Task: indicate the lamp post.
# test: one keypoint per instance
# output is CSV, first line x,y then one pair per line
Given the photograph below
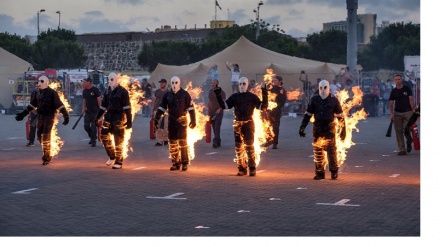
x,y
59,18
38,20
258,19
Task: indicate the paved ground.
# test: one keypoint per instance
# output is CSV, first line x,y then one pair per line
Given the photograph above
x,y
378,193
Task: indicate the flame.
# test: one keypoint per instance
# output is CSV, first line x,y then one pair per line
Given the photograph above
x,y
196,134
136,94
55,141
294,95
352,105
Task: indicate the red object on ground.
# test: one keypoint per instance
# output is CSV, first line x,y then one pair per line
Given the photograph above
x,y
415,136
208,132
152,135
28,128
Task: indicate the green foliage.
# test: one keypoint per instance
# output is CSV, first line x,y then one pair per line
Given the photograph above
x,y
55,48
16,45
386,50
329,46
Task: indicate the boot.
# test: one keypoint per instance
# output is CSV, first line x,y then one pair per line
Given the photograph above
x,y
334,175
184,167
175,167
241,171
252,171
319,175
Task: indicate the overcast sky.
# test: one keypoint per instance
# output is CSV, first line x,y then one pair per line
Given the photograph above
x,y
296,17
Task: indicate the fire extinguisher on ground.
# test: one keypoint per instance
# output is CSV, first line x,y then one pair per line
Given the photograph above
x,y
28,128
415,136
208,131
152,127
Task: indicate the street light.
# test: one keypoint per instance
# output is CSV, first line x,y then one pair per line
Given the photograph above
x,y
38,20
59,18
258,19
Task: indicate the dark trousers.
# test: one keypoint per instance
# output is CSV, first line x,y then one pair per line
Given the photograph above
x,y
90,127
178,147
244,143
216,126
117,130
324,140
44,130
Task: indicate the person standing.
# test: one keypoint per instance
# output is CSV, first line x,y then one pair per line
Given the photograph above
x,y
244,104
215,113
401,106
148,92
116,110
90,106
324,107
235,75
47,104
278,95
178,102
162,127
33,118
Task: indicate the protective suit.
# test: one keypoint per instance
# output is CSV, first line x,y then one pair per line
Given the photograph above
x,y
324,107
244,104
116,110
47,104
178,102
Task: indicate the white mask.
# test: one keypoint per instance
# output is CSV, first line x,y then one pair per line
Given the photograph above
x,y
43,82
324,89
175,84
243,85
112,80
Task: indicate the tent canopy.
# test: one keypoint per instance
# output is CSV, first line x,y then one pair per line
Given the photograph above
x,y
11,68
253,61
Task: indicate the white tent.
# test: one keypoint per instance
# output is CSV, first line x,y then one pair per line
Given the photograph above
x,y
253,61
11,68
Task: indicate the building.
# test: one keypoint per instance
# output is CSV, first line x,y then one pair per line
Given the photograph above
x,y
366,27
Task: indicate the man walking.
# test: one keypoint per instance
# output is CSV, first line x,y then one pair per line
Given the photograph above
x,y
401,106
90,106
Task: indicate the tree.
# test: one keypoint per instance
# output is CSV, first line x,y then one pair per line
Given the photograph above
x,y
57,48
386,50
329,46
16,45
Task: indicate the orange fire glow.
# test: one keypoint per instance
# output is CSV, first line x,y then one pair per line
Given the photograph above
x,y
136,94
353,113
196,134
55,141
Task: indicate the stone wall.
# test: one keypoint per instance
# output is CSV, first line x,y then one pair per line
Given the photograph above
x,y
119,51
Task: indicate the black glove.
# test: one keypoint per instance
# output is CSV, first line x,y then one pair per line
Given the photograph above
x,y
99,116
343,130
20,116
301,131
129,123
156,123
218,91
65,115
192,123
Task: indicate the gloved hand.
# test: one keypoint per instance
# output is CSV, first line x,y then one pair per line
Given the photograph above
x,y
218,91
301,131
96,122
192,124
66,120
343,133
20,116
128,125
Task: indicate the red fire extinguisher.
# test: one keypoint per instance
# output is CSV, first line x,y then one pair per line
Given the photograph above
x,y
415,136
152,135
208,131
28,128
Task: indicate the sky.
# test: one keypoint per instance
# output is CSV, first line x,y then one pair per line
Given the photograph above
x,y
297,18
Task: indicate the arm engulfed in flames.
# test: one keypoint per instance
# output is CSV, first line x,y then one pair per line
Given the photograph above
x,y
353,114
55,141
196,134
135,93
